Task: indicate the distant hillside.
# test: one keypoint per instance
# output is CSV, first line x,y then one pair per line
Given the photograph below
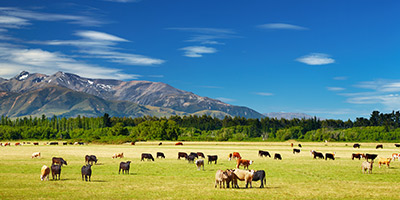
x,y
289,116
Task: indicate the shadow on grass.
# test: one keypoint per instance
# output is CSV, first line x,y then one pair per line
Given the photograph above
x,y
98,181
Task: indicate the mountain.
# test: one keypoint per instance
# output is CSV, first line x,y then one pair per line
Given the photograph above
x,y
146,93
288,115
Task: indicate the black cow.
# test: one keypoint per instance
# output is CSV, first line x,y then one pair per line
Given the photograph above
x,y
191,157
317,154
91,159
124,166
379,146
200,154
182,155
300,145
159,143
86,171
259,175
264,153
278,156
330,156
296,151
194,154
356,145
53,143
81,143
160,154
56,170
36,143
59,161
147,156
212,158
65,143
370,156
397,145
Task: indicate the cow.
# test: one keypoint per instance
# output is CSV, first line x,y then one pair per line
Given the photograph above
x,y
159,144
291,144
235,155
45,173
36,155
90,159
317,154
160,154
384,161
259,175
86,171
356,145
219,179
148,156
200,154
244,163
296,151
7,144
182,155
243,175
300,145
199,163
36,143
379,146
395,155
58,160
179,143
194,154
133,143
357,155
264,153
65,143
56,170
370,156
17,144
118,155
124,166
230,178
397,145
212,158
53,143
190,158
367,166
330,156
277,156
76,143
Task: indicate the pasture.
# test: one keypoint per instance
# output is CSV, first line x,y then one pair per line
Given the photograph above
x,y
296,176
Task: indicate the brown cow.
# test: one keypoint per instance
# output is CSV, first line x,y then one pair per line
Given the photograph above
x,y
179,143
243,175
384,161
235,155
45,173
182,155
245,163
118,155
36,155
357,155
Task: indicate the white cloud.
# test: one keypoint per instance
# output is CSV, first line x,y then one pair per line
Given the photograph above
x,y
283,26
207,35
223,99
95,35
340,78
335,88
264,94
197,51
316,59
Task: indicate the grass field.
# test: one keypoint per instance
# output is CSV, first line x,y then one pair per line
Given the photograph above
x,y
295,177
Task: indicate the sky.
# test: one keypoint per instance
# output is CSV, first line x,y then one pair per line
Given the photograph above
x,y
331,59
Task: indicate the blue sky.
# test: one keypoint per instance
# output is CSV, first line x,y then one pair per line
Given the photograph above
x,y
332,59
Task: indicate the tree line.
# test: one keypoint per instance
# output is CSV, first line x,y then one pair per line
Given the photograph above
x,y
107,129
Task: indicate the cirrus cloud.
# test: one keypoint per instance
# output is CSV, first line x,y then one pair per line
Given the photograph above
x,y
197,51
281,26
316,59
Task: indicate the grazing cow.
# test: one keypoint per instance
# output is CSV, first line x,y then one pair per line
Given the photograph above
x,y
36,155
245,163
200,154
194,154
235,155
132,143
357,155
179,143
36,143
65,143
212,158
291,144
199,163
18,144
330,156
356,145
379,146
86,171
260,175
90,159
45,173
317,154
59,161
182,155
7,144
118,155
71,143
243,175
190,158
370,156
160,154
395,155
264,153
147,156
219,178
124,166
159,144
56,170
76,143
296,151
278,156
367,166
53,143
397,145
384,161
300,146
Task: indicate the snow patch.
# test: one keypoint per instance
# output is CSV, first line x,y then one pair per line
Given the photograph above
x,y
90,82
23,77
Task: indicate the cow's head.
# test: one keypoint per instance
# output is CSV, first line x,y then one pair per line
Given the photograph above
x,y
251,162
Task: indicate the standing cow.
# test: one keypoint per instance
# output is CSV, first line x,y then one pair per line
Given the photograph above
x,y
199,163
56,170
86,171
260,175
243,175
124,166
45,173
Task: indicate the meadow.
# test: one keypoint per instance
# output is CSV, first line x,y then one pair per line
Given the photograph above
x,y
295,177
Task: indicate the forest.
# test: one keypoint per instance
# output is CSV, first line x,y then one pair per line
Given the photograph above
x,y
383,127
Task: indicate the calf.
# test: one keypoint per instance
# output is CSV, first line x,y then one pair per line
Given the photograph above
x,y
384,161
379,146
200,154
395,155
36,155
160,154
56,170
264,153
244,163
86,171
356,145
330,156
277,156
357,155
90,159
235,155
243,175
17,144
199,163
212,158
124,166
59,161
260,175
367,166
370,156
182,155
147,156
296,151
45,173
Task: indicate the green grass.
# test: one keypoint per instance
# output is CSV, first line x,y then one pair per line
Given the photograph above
x,y
295,177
